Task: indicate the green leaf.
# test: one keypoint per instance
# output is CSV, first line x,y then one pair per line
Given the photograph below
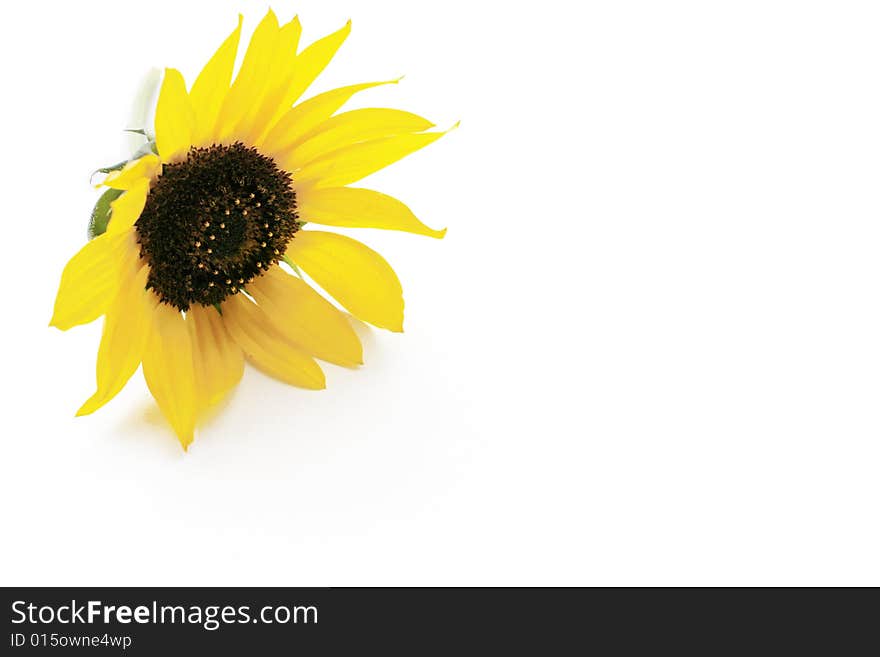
x,y
101,212
137,132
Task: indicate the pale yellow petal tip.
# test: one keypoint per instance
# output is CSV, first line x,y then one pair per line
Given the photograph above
x,y
320,383
90,406
55,322
169,71
316,384
443,133
237,30
185,436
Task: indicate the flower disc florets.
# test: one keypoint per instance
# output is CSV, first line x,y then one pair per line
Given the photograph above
x,y
213,222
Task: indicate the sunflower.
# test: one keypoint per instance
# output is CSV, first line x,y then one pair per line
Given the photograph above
x,y
198,250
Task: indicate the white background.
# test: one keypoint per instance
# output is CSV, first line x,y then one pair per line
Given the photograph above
x,y
647,352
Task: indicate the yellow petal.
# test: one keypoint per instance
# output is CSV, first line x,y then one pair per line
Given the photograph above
x,y
309,64
124,338
210,88
297,124
280,76
174,117
306,318
168,370
250,83
355,275
266,347
350,164
351,128
146,167
285,49
351,207
90,280
127,208
217,359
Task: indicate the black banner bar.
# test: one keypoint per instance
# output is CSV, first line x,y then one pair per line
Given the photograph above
x,y
171,621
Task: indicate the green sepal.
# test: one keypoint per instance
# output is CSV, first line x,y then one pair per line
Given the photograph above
x,y
149,147
292,265
146,149
101,212
113,167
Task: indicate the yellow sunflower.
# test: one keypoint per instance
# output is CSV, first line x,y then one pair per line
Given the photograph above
x,y
187,270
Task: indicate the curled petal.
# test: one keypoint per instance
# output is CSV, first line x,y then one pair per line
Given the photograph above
x,y
355,275
266,347
210,88
306,318
146,167
126,210
296,124
168,371
90,280
217,359
174,117
124,338
350,164
352,207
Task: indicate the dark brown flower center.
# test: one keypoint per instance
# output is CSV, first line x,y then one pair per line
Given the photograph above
x,y
214,222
